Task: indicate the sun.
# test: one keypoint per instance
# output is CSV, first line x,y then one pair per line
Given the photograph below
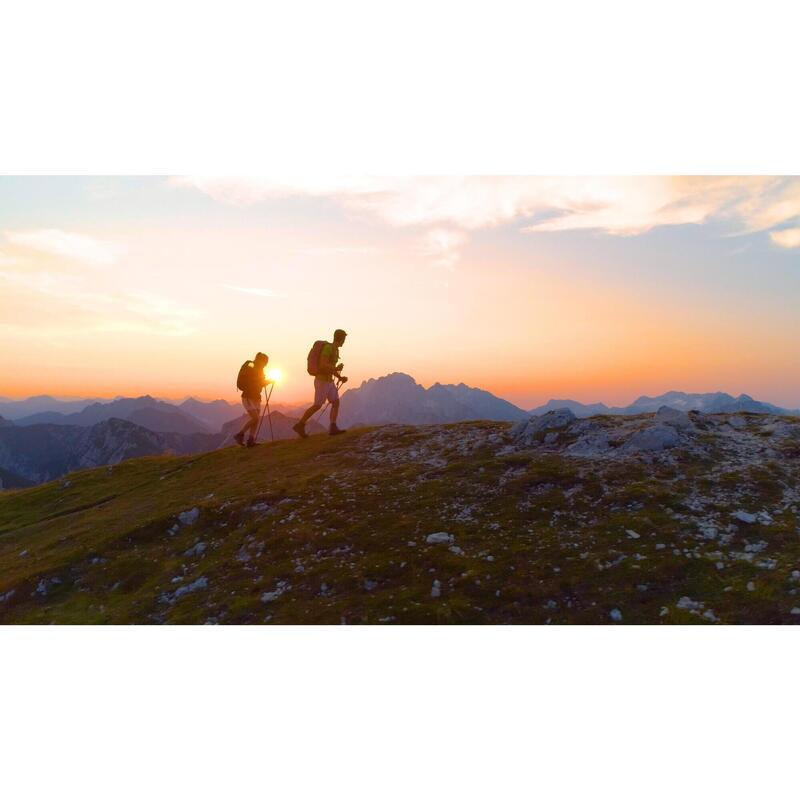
x,y
275,375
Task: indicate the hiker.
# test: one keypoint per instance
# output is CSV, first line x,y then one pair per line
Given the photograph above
x,y
250,382
323,364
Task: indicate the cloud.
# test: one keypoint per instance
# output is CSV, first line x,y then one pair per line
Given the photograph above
x,y
620,206
443,246
254,290
65,244
70,296
9,261
788,237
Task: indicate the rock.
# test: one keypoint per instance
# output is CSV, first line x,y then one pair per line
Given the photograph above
x,y
456,550
436,589
751,587
200,583
370,585
591,444
551,438
615,615
652,439
737,423
671,416
690,605
282,587
197,550
744,516
632,534
189,517
439,538
526,431
795,610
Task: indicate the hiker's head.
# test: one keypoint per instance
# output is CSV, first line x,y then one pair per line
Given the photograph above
x,y
261,360
338,337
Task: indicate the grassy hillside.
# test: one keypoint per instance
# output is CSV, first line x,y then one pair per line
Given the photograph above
x,y
332,530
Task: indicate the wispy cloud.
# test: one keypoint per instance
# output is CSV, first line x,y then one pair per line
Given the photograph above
x,y
443,246
338,250
788,237
118,310
261,292
66,244
9,261
615,205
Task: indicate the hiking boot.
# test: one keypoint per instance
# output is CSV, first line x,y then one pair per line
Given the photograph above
x,y
239,439
300,429
251,442
335,430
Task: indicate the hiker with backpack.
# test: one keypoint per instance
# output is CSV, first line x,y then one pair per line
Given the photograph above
x,y
250,382
323,364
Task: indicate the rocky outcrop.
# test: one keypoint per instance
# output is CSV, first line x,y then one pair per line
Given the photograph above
x,y
537,429
652,439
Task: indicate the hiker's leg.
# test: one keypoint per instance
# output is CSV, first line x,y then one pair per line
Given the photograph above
x,y
310,411
252,424
334,411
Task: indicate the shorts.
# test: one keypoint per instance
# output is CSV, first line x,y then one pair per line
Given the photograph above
x,y
251,404
325,390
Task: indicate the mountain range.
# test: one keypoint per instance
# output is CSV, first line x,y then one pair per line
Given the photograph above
x,y
398,398
64,435
710,403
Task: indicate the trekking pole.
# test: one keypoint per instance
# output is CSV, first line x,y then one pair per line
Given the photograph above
x,y
269,413
327,404
266,409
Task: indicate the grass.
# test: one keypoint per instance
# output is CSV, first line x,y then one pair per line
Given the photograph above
x,y
333,530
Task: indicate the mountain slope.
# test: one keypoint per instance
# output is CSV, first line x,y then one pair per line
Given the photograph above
x,y
214,414
456,523
10,480
44,452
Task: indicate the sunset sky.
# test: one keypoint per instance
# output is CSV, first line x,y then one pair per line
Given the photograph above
x,y
588,288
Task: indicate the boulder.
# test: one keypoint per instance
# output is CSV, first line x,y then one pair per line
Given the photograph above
x,y
595,443
532,430
671,416
652,440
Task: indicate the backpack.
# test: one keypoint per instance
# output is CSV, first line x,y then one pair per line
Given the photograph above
x,y
247,379
313,356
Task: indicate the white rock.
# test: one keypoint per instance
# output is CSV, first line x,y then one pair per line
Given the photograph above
x,y
282,587
439,538
615,614
632,534
689,604
751,586
744,516
197,550
189,517
436,589
200,583
795,610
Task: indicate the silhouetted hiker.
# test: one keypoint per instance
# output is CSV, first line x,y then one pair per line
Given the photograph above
x,y
323,364
250,382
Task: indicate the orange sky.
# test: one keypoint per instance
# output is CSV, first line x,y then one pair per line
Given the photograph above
x,y
164,287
